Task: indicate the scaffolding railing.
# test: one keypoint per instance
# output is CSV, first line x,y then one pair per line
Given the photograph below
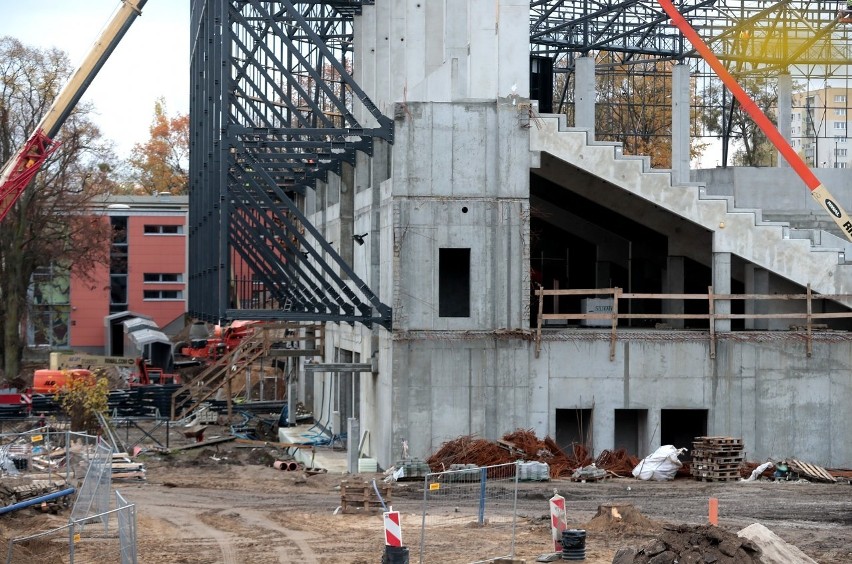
x,y
718,309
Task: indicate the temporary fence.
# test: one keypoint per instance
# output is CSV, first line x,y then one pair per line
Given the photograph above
x,y
76,544
93,495
59,456
126,529
484,498
49,464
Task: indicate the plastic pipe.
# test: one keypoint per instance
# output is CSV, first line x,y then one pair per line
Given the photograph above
x,y
35,501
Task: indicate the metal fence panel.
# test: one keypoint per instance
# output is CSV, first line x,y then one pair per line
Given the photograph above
x,y
126,529
481,498
93,495
76,545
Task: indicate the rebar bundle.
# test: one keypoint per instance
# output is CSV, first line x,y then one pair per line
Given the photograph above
x,y
523,444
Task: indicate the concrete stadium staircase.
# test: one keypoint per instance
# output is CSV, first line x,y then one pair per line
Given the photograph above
x,y
774,246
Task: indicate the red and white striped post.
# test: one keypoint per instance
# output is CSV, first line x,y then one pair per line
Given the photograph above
x,y
393,531
27,400
558,520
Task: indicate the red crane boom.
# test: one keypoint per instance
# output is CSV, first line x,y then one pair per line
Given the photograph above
x,y
23,165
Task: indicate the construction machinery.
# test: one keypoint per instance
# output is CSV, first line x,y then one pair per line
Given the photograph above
x,y
23,165
214,347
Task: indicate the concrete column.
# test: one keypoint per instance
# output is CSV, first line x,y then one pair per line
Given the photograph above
x,y
722,285
347,214
353,437
756,282
603,274
785,109
680,124
603,428
292,388
674,285
584,94
650,440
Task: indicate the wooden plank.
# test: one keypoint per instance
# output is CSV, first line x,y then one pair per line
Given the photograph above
x,y
810,470
203,443
274,444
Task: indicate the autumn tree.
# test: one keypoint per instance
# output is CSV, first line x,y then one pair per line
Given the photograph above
x,y
752,147
161,164
633,105
50,224
82,398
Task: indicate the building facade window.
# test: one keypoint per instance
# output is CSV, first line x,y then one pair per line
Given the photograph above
x,y
48,319
840,97
454,283
153,278
839,125
164,230
118,257
163,295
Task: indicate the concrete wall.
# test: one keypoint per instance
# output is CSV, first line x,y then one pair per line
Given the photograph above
x,y
781,402
454,76
777,190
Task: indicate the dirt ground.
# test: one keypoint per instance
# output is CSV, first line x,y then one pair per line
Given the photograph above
x,y
227,504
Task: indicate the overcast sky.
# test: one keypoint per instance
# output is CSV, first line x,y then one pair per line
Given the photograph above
x,y
151,61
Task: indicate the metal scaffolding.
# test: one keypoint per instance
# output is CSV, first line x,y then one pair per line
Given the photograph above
x,y
271,113
273,106
633,42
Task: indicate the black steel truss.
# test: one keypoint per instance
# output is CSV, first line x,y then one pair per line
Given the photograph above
x,y
750,34
758,38
272,111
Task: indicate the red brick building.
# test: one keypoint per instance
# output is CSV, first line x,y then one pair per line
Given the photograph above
x,y
146,276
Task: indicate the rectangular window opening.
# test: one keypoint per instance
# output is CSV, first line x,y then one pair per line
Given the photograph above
x,y
454,283
163,278
164,230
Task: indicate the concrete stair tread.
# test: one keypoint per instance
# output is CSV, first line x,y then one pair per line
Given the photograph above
x,y
766,243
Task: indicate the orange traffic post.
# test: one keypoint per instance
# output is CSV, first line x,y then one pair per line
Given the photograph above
x,y
714,511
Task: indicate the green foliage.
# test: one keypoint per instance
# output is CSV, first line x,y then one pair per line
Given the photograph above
x,y
82,398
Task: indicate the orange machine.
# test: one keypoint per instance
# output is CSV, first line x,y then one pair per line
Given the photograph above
x,y
49,381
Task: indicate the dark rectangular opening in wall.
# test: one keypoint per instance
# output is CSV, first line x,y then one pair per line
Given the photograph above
x,y
454,283
679,427
630,431
541,83
573,426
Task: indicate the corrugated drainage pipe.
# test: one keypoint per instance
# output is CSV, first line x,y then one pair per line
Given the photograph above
x,y
35,501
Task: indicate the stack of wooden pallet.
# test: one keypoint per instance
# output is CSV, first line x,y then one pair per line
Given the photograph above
x,y
716,459
124,468
362,497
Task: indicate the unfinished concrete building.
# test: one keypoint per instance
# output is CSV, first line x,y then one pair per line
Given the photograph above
x,y
484,264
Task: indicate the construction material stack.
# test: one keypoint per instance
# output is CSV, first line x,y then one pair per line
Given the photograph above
x,y
716,459
364,497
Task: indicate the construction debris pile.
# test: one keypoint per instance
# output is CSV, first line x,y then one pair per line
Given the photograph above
x,y
523,444
693,544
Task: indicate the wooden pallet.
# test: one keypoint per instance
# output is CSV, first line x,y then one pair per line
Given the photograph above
x,y
810,471
360,497
715,475
718,461
716,467
730,443
717,453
